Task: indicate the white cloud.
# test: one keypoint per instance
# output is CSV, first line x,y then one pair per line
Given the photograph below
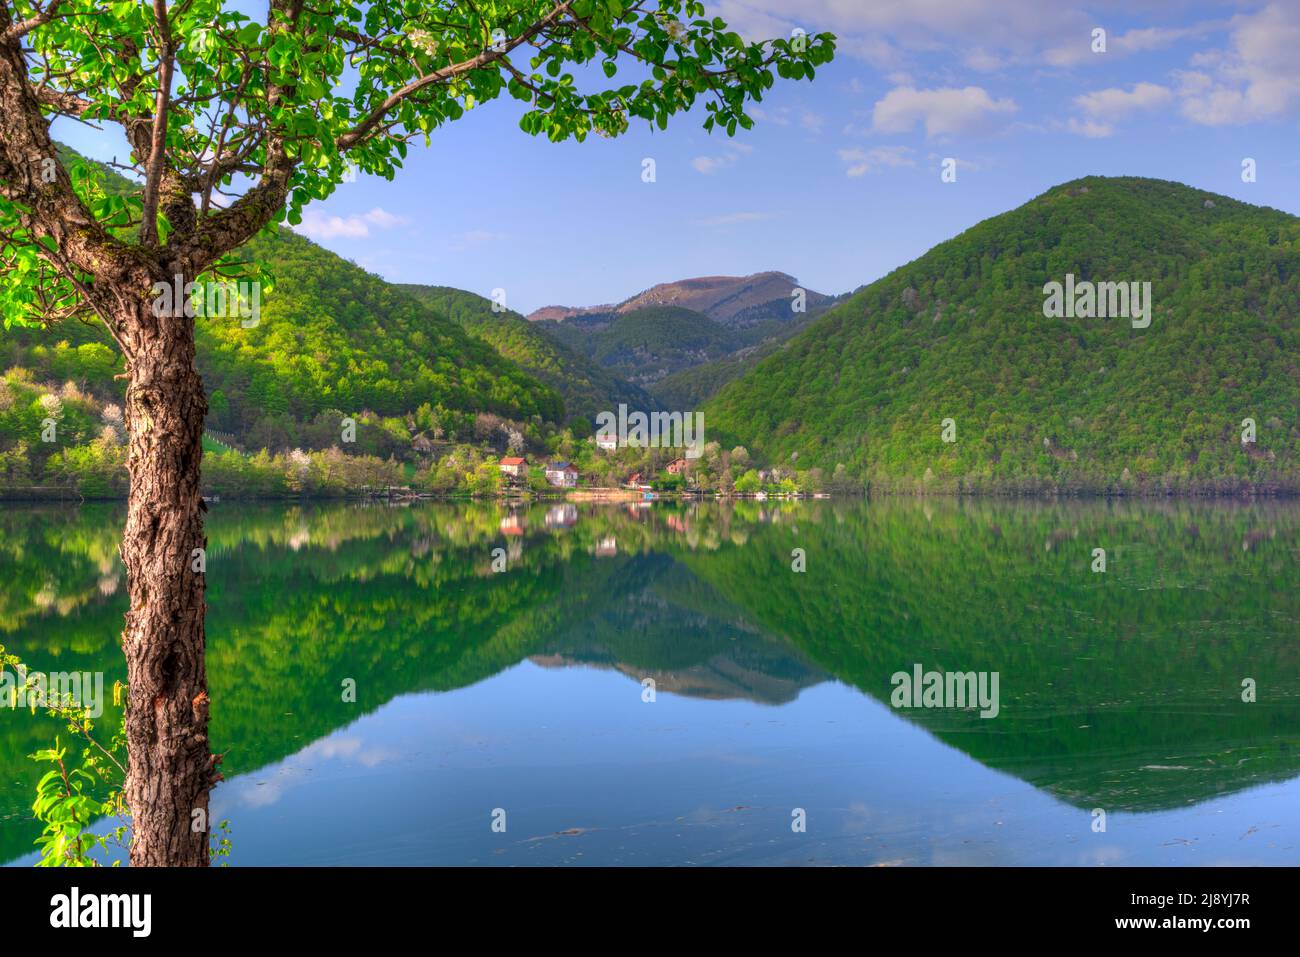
x,y
1078,48
318,226
985,35
859,162
812,122
708,165
778,117
942,111
1192,82
884,32
383,219
982,61
1256,78
1104,108
1089,128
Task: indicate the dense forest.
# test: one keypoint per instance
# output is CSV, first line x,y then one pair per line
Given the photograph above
x,y
1053,404
690,388
586,387
681,356
647,344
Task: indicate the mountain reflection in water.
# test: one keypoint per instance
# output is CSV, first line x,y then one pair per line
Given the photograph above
x,y
1120,691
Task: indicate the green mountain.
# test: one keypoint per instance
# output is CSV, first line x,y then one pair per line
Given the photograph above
x,y
335,336
1041,403
733,301
332,340
586,387
684,340
645,345
690,388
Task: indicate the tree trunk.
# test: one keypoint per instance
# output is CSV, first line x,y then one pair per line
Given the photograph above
x,y
171,770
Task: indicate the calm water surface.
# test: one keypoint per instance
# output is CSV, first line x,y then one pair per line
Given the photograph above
x,y
522,690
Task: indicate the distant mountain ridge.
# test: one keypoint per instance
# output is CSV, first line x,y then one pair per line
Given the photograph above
x,y
692,335
735,301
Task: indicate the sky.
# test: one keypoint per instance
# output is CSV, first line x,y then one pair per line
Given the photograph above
x,y
840,180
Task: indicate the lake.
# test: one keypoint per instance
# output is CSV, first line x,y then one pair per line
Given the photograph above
x,y
656,684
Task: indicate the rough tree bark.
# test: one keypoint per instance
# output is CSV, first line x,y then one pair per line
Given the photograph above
x,y
171,770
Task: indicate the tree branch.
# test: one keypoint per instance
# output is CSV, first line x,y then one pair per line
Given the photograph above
x,y
358,133
158,144
19,30
49,208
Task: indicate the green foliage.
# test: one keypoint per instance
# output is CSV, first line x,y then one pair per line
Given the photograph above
x,y
749,483
333,340
65,804
33,292
1044,403
587,388
645,345
72,797
691,387
485,479
333,336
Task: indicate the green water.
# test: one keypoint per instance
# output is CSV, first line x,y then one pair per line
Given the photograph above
x,y
523,689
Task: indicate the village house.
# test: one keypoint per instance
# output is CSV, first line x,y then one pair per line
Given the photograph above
x,y
607,442
562,475
514,466
677,466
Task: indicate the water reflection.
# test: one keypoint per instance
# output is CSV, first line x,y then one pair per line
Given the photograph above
x,y
1120,690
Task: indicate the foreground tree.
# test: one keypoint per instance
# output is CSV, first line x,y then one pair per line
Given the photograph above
x,y
234,126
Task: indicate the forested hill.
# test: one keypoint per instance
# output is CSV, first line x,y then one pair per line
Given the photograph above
x,y
1040,402
646,345
335,336
587,389
332,339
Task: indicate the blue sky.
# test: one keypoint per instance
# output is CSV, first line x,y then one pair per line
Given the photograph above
x,y
839,182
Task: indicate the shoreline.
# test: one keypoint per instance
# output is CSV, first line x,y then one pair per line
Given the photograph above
x,y
613,496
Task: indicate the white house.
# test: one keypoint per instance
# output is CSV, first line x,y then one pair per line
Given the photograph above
x,y
562,475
